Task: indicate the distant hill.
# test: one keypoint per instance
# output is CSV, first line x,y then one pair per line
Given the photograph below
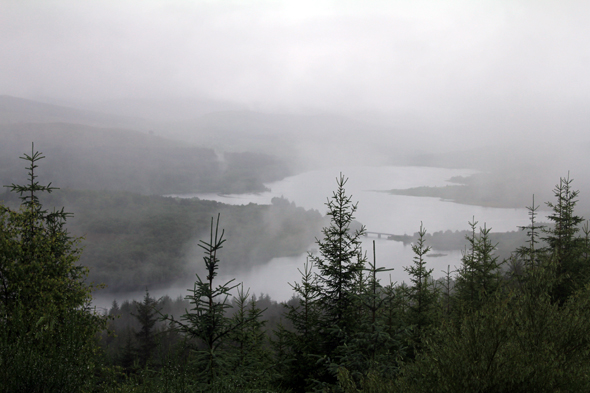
x,y
161,110
19,110
86,157
306,141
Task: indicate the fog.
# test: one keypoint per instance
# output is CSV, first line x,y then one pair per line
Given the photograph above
x,y
500,87
450,60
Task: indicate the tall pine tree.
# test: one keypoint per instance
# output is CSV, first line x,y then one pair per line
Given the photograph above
x,y
422,293
564,245
207,322
340,260
339,264
47,326
479,275
146,336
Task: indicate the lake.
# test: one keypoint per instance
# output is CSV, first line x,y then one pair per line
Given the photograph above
x,y
378,211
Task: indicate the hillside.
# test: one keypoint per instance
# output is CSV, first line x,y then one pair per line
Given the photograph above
x,y
87,157
133,241
19,110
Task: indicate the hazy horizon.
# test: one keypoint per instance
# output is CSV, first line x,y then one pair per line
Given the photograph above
x,y
473,71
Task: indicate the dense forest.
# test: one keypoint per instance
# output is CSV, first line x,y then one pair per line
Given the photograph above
x,y
294,196
518,323
132,241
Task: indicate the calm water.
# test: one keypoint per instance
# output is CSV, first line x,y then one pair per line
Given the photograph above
x,y
380,212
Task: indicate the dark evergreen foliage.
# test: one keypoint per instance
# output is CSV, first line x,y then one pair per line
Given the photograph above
x,y
340,260
250,356
339,263
481,330
529,252
563,244
479,276
147,317
422,294
297,348
47,327
206,321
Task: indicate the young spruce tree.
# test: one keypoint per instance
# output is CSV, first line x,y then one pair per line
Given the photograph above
x,y
208,324
339,263
422,293
47,326
146,336
251,359
479,275
563,243
296,348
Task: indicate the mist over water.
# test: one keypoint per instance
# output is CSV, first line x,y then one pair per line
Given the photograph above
x,y
378,211
274,278
423,82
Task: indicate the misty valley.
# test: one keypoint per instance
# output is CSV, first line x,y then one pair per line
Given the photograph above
x,y
294,196
380,213
175,264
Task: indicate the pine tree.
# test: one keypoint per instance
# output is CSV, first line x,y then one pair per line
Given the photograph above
x,y
128,354
479,275
379,342
339,264
561,238
299,346
206,321
586,243
422,294
146,336
340,261
208,325
371,349
394,307
563,244
47,326
250,358
530,252
447,286
38,257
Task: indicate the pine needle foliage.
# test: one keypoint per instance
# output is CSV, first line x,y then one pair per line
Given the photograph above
x,y
297,348
479,275
422,292
146,336
563,243
251,358
206,322
340,260
529,253
47,326
209,327
38,257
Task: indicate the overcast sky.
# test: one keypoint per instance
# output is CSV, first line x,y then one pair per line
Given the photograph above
x,y
386,56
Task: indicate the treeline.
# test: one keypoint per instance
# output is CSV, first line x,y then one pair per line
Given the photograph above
x,y
482,328
132,241
507,186
506,242
130,325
